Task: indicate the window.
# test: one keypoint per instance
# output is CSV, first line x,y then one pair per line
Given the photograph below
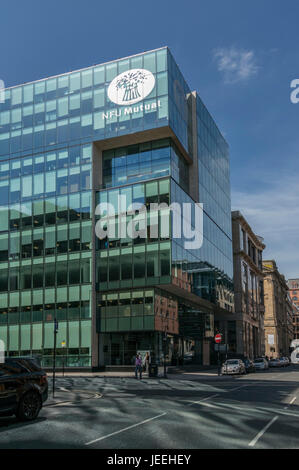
x,y
74,237
126,265
74,272
61,274
49,274
37,275
136,162
3,247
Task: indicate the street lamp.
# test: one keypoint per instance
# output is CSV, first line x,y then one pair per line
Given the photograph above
x,y
54,357
63,345
165,320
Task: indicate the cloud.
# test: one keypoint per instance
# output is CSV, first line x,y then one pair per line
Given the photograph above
x,y
236,64
273,213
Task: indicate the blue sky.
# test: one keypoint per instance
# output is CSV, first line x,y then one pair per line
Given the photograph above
x,y
240,56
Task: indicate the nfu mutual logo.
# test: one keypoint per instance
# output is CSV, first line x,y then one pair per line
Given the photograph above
x,y
131,86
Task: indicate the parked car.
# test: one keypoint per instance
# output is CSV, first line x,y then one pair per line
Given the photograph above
x,y
233,366
275,362
23,387
260,363
287,359
249,365
188,357
284,361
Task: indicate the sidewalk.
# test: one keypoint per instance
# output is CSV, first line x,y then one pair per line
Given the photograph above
x,y
172,373
97,374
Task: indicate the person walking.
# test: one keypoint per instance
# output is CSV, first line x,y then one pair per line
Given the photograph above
x,y
147,361
138,366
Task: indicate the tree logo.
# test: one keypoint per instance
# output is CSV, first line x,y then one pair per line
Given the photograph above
x,y
131,86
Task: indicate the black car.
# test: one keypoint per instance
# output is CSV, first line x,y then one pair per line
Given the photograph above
x,y
23,387
249,365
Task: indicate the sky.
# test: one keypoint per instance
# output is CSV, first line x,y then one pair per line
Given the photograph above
x,y
241,58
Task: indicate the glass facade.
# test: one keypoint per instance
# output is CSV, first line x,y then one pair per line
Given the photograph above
x,y
208,269
51,263
75,107
126,262
140,162
45,243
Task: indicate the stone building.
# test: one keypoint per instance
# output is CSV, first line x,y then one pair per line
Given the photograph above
x,y
293,285
278,308
289,336
248,287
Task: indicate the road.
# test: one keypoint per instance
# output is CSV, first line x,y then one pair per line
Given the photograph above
x,y
259,410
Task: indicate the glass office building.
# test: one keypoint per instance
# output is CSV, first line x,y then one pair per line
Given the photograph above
x,y
68,143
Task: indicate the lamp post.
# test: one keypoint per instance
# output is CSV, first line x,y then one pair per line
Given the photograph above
x,y
63,345
165,340
54,357
164,362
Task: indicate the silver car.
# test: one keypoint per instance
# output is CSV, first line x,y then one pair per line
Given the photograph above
x,y
233,366
275,362
284,361
261,363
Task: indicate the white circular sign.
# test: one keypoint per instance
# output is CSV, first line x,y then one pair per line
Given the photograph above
x,y
131,86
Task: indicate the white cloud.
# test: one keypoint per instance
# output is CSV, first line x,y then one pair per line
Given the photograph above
x,y
235,64
274,215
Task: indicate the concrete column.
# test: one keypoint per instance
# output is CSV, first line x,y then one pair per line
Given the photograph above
x,y
240,337
193,169
206,353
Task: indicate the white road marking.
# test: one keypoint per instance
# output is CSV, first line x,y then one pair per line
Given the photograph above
x,y
260,434
209,405
224,406
204,399
62,403
241,408
291,402
125,429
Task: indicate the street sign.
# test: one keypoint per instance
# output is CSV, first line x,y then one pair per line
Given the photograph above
x,y
218,338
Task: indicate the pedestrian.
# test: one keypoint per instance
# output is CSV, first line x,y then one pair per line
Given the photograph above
x,y
138,366
147,361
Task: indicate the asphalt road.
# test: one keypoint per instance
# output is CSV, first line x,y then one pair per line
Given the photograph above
x,y
258,410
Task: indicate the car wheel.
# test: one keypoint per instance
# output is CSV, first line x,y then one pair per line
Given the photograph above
x,y
29,406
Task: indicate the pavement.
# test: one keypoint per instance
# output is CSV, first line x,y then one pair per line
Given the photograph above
x,y
185,411
205,371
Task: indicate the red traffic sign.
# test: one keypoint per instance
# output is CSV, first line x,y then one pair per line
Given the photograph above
x,y
218,338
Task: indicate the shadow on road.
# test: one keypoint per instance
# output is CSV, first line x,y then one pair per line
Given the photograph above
x,y
230,420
